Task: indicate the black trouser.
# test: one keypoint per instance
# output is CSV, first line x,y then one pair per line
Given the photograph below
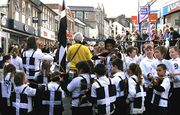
x,y
5,109
174,102
82,110
156,110
147,102
121,106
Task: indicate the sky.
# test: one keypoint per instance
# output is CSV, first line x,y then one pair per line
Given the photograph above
x,y
113,8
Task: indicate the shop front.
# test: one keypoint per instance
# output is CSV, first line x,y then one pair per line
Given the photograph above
x,y
171,14
47,37
15,33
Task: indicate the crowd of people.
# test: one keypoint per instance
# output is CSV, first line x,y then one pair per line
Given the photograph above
x,y
104,79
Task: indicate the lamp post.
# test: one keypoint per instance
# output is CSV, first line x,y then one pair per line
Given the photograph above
x,y
139,24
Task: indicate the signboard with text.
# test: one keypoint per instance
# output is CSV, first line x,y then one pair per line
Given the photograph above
x,y
134,20
153,17
144,10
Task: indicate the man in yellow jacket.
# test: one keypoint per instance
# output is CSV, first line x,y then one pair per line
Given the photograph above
x,y
78,52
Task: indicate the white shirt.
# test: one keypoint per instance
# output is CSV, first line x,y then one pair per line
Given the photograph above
x,y
128,60
52,86
75,87
29,92
116,79
169,65
132,87
146,67
166,85
176,79
17,62
39,56
104,81
133,94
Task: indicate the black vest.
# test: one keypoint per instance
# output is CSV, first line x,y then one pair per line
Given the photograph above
x,y
31,62
100,92
51,102
19,103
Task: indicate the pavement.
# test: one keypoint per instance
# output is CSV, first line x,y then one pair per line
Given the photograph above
x,y
67,106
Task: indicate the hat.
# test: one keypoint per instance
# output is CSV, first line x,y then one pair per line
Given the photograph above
x,y
78,37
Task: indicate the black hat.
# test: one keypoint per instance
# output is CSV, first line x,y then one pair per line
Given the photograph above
x,y
110,41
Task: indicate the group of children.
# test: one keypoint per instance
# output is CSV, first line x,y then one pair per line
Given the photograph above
x,y
17,97
147,86
128,85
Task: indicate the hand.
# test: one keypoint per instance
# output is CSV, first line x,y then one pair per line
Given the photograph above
x,y
172,74
149,76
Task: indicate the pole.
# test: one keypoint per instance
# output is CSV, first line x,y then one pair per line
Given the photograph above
x,y
139,24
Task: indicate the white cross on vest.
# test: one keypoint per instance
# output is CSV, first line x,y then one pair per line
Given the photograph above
x,y
51,102
19,105
107,100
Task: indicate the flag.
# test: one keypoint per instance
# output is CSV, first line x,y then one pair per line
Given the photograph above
x,y
62,39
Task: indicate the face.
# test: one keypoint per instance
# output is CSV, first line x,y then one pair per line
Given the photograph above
x,y
173,54
113,69
14,54
149,52
160,71
133,54
158,54
109,46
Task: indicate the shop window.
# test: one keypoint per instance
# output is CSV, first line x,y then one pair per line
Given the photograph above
x,y
23,7
17,5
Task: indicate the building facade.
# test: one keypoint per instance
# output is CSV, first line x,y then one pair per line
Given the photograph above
x,y
16,21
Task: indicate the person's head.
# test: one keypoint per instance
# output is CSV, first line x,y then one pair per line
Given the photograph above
x,y
117,65
160,52
100,70
161,70
83,67
167,30
174,52
91,65
19,78
46,65
31,43
149,50
134,69
15,52
10,68
78,37
55,76
131,51
171,29
7,59
109,44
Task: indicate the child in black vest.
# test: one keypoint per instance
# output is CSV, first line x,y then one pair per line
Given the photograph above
x,y
51,98
22,103
161,88
7,87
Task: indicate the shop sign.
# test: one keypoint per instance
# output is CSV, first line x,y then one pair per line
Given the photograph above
x,y
144,10
134,19
174,7
45,33
171,8
153,17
